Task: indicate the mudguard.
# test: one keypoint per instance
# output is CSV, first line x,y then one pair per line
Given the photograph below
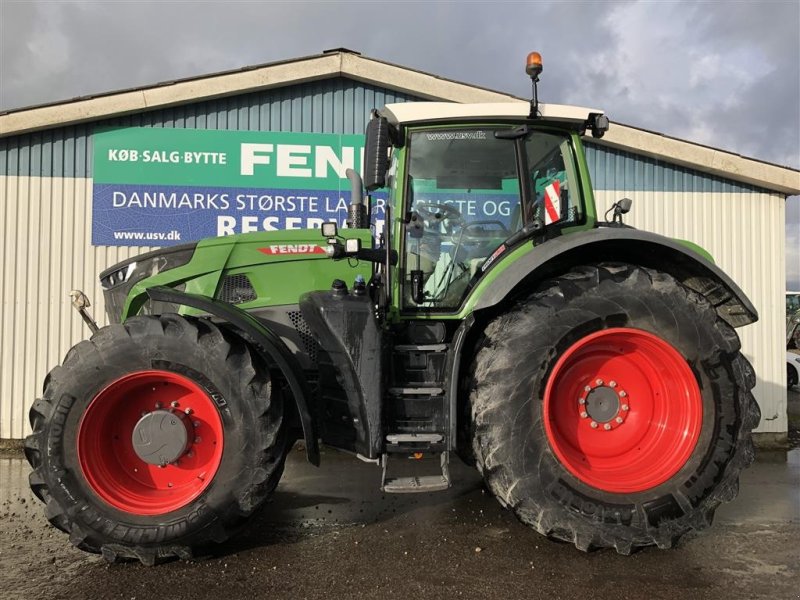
x,y
267,343
623,244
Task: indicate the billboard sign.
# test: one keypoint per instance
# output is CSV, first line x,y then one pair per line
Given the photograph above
x,y
160,187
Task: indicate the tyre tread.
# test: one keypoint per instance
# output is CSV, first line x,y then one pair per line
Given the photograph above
x,y
490,389
239,358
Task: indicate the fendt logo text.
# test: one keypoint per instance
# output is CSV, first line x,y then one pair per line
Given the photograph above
x,y
293,249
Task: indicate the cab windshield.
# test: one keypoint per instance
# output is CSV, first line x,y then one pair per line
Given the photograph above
x,y
465,197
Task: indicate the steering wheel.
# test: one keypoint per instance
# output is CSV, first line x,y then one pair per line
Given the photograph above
x,y
436,213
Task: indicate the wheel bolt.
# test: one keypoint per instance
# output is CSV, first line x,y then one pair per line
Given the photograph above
x,y
188,411
598,381
618,419
189,454
174,404
196,424
169,485
588,388
607,426
158,405
581,400
593,424
197,440
612,384
144,412
625,407
623,393
584,414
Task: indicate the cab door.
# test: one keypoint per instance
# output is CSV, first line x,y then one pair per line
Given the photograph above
x,y
463,199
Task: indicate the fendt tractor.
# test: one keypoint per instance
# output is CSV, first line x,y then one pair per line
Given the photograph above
x,y
590,371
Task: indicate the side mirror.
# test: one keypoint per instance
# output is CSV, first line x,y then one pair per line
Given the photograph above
x,y
376,153
620,207
623,206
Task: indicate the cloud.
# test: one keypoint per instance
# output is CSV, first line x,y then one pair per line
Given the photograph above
x,y
708,72
722,74
726,75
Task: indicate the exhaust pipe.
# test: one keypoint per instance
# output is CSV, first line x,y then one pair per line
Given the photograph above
x,y
358,211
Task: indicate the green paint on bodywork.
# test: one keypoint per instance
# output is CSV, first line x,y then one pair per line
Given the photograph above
x,y
697,249
397,196
278,279
586,183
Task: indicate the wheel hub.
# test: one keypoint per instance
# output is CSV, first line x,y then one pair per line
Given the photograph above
x,y
161,437
602,404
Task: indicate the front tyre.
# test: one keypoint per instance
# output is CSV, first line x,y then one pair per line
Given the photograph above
x,y
154,438
612,408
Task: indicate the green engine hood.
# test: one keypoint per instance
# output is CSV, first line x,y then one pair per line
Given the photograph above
x,y
273,267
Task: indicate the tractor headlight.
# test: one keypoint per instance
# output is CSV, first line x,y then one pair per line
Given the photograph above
x,y
118,280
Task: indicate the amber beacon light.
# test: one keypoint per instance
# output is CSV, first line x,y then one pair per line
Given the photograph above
x,y
533,66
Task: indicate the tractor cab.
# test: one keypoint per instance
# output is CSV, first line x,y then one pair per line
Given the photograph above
x,y
464,193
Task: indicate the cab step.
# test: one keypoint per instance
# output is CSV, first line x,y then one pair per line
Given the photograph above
x,y
415,483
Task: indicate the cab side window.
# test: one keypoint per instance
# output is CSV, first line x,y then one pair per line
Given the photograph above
x,y
464,200
549,175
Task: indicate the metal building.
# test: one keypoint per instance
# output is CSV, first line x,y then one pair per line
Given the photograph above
x,y
731,205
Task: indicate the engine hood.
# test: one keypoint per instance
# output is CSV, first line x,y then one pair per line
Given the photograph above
x,y
256,270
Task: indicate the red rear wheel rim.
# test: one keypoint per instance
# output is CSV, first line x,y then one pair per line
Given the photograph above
x,y
107,457
622,410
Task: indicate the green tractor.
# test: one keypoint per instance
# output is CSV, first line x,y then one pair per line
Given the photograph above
x,y
590,371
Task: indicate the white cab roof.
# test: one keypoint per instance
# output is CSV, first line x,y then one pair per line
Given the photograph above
x,y
416,112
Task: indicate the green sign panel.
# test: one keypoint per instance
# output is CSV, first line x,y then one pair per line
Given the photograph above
x,y
236,159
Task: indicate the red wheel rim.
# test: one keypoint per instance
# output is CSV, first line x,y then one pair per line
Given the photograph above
x,y
106,453
622,410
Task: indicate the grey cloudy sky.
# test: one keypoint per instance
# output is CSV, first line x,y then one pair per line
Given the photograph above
x,y
722,73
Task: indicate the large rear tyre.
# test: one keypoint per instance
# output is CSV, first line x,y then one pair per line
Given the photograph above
x,y
154,438
612,408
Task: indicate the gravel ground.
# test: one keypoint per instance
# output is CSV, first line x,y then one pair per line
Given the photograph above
x,y
330,533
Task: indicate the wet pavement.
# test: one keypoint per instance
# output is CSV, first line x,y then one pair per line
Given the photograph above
x,y
330,533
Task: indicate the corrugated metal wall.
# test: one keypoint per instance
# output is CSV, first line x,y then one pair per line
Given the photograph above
x,y
743,229
45,223
45,218
45,252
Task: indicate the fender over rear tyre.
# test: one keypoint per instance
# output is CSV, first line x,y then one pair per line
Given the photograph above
x,y
612,408
101,414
